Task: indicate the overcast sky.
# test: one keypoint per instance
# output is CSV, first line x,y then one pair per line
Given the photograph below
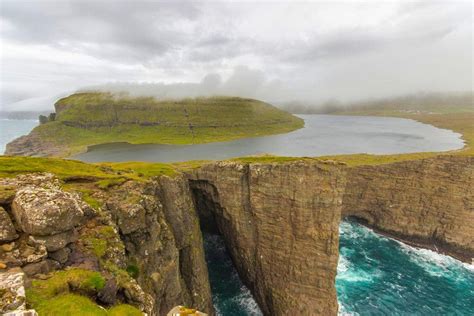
x,y
276,51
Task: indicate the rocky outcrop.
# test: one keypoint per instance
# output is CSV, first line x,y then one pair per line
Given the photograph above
x,y
150,229
280,223
428,202
161,234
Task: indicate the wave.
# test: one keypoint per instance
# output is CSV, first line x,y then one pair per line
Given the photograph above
x,y
246,300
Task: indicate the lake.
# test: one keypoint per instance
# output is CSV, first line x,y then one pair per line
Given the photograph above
x,y
322,135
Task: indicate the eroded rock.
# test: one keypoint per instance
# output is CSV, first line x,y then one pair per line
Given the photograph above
x,y
7,230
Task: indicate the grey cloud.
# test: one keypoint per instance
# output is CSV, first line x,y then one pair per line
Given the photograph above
x,y
273,51
137,30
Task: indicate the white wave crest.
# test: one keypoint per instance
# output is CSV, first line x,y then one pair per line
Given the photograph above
x,y
246,300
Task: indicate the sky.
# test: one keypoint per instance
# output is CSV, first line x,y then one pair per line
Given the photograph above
x,y
275,51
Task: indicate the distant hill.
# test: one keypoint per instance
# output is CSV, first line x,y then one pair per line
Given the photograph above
x,y
91,118
427,103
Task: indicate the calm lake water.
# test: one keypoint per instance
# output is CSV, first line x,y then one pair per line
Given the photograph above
x,y
322,135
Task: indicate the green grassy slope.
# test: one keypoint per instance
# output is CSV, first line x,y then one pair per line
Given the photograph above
x,y
85,119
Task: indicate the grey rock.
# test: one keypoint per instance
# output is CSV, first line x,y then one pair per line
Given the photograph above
x,y
42,267
7,230
57,241
60,255
47,211
12,291
108,294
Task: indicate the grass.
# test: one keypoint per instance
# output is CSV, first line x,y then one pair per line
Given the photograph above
x,y
63,282
78,305
86,119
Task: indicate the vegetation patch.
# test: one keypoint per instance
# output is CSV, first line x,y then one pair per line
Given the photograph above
x,y
76,280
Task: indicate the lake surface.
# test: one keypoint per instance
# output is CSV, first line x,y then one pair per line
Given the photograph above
x,y
11,129
322,135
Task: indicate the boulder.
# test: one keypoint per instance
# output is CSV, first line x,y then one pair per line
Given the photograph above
x,y
7,230
57,241
47,211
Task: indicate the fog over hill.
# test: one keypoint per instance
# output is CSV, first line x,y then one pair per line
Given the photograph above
x,y
277,52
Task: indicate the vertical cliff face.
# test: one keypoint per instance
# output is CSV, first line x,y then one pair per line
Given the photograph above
x,y
429,202
280,223
161,233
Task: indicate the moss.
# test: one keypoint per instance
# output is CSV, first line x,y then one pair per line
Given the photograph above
x,y
77,305
124,310
111,182
99,240
70,304
133,270
72,280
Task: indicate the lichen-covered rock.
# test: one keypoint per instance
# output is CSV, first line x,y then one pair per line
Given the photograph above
x,y
130,217
12,291
7,230
22,251
44,212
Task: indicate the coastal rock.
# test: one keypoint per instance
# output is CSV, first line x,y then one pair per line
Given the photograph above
x,y
170,267
428,202
7,230
280,223
44,212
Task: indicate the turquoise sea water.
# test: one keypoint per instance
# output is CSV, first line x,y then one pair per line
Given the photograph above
x,y
11,129
376,276
381,276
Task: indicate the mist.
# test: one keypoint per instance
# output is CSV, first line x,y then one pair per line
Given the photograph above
x,y
312,53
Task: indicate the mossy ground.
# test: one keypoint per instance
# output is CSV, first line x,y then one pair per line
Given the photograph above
x,y
86,119
69,292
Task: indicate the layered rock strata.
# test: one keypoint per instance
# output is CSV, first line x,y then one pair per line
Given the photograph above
x,y
280,223
428,202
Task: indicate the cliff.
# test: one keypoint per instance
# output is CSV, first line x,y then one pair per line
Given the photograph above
x,y
279,220
280,223
427,202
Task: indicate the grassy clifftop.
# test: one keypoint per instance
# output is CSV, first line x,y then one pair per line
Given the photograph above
x,y
85,119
